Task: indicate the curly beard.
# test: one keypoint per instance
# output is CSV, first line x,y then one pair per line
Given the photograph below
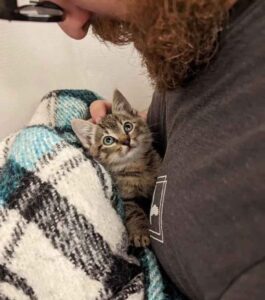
x,y
174,37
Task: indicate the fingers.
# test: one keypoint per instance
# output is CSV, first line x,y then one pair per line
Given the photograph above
x,y
99,109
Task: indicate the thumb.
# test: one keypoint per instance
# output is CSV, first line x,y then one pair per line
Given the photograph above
x,y
99,109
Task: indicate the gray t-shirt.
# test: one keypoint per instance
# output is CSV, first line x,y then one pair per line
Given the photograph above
x,y
208,211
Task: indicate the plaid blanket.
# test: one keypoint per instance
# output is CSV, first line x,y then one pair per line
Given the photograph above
x,y
61,229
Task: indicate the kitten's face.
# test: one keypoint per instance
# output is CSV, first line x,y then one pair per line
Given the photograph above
x,y
119,138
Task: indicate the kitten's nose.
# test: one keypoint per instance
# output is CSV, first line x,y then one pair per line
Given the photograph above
x,y
127,142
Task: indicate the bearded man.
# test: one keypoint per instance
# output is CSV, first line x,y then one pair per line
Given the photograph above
x,y
207,61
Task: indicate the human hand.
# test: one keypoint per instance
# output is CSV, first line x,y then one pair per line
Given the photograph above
x,y
99,108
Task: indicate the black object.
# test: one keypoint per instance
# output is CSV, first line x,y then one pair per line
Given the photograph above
x,y
36,11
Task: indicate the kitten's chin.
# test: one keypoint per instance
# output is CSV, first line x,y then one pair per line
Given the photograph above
x,y
125,157
132,153
129,154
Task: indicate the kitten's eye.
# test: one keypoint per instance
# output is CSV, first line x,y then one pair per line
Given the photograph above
x,y
108,140
128,127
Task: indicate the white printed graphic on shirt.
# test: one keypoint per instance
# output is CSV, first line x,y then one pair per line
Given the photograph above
x,y
156,213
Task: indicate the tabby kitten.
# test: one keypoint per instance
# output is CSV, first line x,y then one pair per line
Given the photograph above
x,y
122,143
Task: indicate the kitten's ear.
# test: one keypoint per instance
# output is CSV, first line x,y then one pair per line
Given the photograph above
x,y
85,131
120,104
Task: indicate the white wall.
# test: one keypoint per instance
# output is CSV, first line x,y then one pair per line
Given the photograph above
x,y
37,58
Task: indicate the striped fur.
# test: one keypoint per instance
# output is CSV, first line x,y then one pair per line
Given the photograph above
x,y
130,159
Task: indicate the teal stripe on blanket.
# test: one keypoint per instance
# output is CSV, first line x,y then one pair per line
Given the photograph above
x,y
153,280
31,144
73,104
84,95
71,109
10,179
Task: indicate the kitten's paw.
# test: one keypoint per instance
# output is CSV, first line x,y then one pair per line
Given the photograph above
x,y
140,240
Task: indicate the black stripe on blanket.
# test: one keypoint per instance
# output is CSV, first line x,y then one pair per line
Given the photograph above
x,y
131,288
18,282
16,236
2,297
72,234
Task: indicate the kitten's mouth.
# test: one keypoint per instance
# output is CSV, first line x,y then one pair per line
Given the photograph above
x,y
130,150
131,147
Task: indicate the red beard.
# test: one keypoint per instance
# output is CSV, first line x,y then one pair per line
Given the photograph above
x,y
174,37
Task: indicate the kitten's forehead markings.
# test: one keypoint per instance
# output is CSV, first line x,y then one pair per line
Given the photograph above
x,y
120,127
103,128
112,126
109,122
122,119
118,120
